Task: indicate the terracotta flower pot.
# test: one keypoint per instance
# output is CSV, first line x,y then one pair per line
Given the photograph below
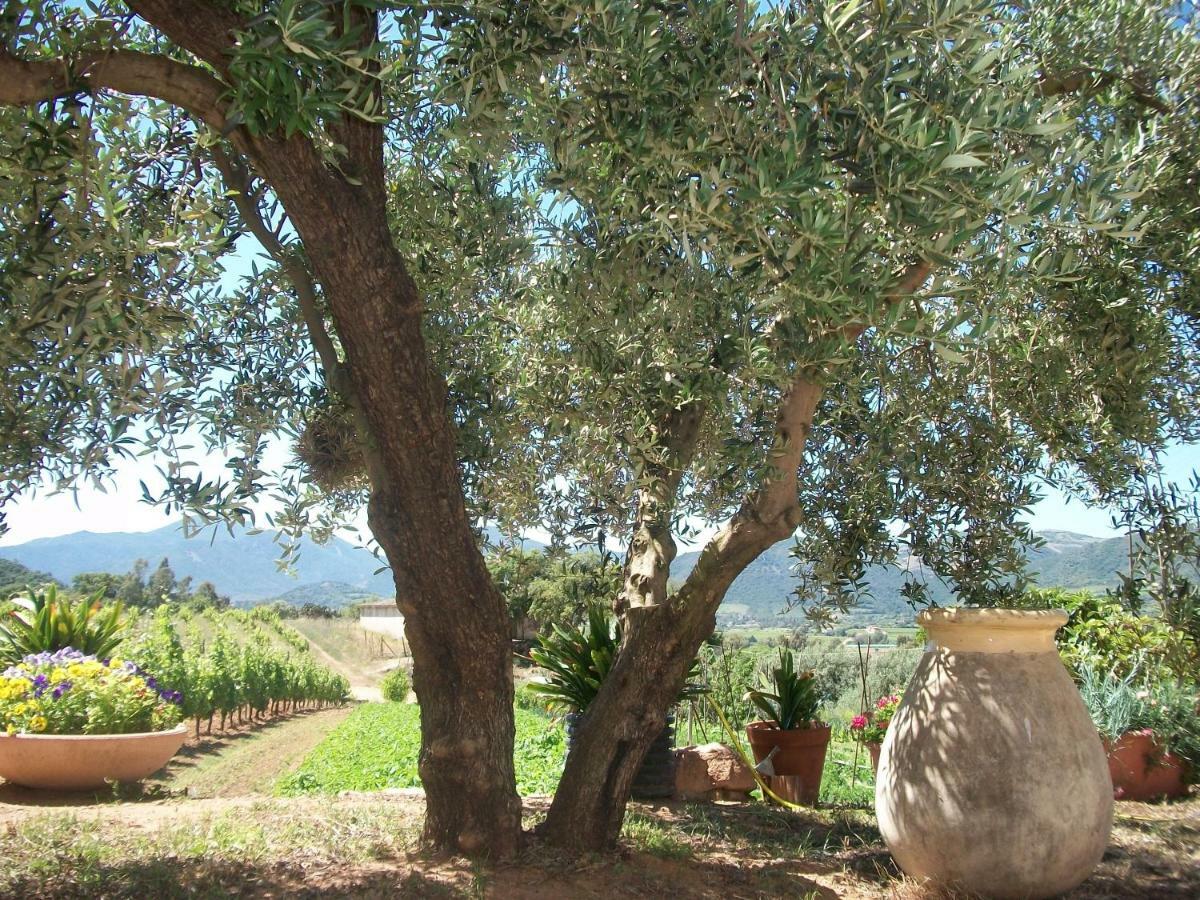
x,y
992,779
801,755
873,748
78,762
1140,770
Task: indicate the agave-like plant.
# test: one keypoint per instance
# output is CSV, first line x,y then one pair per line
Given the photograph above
x,y
578,659
792,699
43,623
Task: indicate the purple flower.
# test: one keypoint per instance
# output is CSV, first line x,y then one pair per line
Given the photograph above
x,y
151,682
40,683
57,658
62,688
172,697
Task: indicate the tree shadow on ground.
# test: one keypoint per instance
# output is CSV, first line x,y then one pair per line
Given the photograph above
x,y
167,877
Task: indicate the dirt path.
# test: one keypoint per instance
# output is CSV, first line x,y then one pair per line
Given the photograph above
x,y
360,688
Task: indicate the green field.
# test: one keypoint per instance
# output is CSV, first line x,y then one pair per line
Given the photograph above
x,y
377,746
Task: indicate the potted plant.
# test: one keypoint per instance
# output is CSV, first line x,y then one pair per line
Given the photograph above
x,y
576,661
1151,734
869,728
790,736
43,622
70,721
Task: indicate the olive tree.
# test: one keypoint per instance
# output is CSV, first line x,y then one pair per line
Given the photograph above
x,y
141,141
824,269
614,265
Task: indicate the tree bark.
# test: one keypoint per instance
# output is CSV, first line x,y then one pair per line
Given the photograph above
x,y
661,640
455,621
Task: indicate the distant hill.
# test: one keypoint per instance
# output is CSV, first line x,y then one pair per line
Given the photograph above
x,y
338,573
334,594
1067,560
243,567
16,577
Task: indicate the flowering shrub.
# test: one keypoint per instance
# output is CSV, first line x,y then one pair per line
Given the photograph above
x,y
67,692
870,728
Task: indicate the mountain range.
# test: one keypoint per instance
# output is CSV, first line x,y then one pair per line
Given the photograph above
x,y
338,573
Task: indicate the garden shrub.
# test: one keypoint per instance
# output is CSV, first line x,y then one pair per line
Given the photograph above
x,y
1104,635
395,686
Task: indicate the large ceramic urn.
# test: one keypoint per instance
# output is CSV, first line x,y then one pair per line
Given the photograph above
x,y
992,779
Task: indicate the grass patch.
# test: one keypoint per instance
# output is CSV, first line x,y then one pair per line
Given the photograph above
x,y
215,855
654,837
845,782
377,746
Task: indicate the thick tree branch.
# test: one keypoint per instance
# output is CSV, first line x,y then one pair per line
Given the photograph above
x,y
1087,82
238,182
771,513
204,29
652,547
25,82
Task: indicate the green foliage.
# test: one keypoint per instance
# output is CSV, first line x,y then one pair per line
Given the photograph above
x,y
42,622
395,686
224,675
553,588
1119,703
577,660
792,700
378,745
15,577
1102,633
71,693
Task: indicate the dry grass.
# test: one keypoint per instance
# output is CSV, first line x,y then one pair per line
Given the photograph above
x,y
364,847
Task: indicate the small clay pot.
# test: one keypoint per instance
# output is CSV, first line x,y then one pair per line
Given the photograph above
x,y
81,762
1140,769
801,755
873,748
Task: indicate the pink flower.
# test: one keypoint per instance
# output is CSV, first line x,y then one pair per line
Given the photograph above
x,y
858,723
886,701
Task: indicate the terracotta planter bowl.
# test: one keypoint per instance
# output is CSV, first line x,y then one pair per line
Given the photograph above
x,y
81,762
801,756
1140,770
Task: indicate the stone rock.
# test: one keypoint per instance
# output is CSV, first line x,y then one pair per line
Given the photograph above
x,y
711,772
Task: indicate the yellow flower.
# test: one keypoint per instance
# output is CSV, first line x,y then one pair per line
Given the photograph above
x,y
19,709
11,729
38,723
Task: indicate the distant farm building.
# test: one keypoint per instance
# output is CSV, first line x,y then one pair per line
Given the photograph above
x,y
382,617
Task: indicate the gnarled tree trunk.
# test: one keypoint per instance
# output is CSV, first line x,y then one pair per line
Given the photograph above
x,y
455,621
662,639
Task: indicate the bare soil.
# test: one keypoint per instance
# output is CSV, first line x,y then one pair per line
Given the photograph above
x,y
364,846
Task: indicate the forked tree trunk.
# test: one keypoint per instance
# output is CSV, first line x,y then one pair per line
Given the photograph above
x,y
662,639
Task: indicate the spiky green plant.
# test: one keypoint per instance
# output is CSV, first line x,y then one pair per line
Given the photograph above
x,y
578,659
41,622
791,699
